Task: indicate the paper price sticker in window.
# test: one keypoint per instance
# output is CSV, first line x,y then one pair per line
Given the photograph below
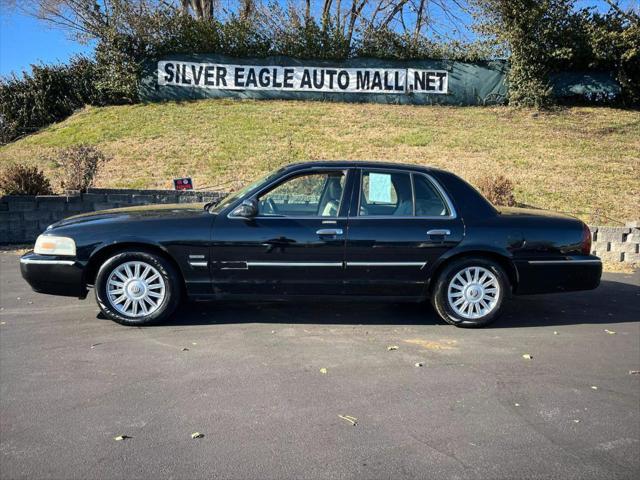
x,y
380,188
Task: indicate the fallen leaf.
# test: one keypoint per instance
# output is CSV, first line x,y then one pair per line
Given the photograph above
x,y
610,332
119,438
350,419
392,347
197,435
323,370
527,356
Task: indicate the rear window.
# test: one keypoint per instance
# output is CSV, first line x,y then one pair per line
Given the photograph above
x,y
429,202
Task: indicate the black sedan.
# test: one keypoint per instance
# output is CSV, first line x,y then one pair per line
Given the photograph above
x,y
318,230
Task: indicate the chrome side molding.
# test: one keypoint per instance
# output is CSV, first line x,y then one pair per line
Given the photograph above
x,y
294,264
560,262
251,264
386,264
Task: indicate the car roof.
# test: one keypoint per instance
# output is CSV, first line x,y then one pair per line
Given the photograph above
x,y
356,164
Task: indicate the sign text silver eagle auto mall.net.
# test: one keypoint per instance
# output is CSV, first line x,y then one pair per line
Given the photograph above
x,y
301,78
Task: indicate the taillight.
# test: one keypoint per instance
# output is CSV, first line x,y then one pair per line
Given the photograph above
x,y
586,240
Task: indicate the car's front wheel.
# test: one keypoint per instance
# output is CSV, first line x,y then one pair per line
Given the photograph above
x,y
137,288
469,292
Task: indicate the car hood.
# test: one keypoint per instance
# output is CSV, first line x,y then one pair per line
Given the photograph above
x,y
141,212
532,212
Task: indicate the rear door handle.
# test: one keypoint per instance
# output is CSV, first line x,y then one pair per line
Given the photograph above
x,y
439,232
329,231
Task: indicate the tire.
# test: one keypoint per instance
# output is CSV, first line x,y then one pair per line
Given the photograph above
x,y
484,294
137,277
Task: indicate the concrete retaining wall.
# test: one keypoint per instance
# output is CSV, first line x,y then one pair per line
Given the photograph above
x,y
23,218
617,244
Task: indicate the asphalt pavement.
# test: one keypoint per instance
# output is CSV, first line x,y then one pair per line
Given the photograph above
x,y
250,378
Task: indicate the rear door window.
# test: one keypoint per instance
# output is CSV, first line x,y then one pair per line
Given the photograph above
x,y
386,194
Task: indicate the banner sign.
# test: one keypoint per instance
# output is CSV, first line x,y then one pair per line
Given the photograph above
x,y
178,77
221,76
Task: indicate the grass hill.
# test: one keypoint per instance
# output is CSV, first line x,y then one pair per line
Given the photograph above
x,y
577,160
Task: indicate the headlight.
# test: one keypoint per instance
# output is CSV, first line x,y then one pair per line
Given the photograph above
x,y
50,245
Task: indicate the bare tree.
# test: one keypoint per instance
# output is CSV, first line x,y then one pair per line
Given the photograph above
x,y
247,8
420,17
326,14
202,9
89,18
415,18
629,14
356,9
85,18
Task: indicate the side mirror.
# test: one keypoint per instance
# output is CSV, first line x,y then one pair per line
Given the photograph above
x,y
247,209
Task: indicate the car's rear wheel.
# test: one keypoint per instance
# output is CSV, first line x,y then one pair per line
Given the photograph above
x,y
469,292
137,288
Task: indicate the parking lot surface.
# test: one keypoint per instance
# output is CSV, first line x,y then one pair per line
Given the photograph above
x,y
248,377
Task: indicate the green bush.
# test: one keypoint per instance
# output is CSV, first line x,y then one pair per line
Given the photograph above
x,y
19,179
549,36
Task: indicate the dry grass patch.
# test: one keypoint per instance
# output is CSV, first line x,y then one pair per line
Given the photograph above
x,y
578,160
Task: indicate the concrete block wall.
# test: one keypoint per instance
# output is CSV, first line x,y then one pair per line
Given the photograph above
x,y
24,217
617,244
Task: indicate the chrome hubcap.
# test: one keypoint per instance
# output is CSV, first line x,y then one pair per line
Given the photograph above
x,y
135,289
474,292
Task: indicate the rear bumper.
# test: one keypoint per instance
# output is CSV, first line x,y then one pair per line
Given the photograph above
x,y
558,275
53,275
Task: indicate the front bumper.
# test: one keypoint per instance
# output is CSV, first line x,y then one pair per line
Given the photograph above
x,y
53,275
549,275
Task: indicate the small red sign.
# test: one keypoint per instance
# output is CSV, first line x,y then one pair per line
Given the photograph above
x,y
183,183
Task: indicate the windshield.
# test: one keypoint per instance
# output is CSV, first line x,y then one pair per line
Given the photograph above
x,y
232,197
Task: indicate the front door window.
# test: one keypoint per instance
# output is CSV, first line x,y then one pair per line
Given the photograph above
x,y
310,195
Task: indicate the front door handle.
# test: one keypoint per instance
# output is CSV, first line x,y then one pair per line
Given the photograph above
x,y
329,231
439,232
